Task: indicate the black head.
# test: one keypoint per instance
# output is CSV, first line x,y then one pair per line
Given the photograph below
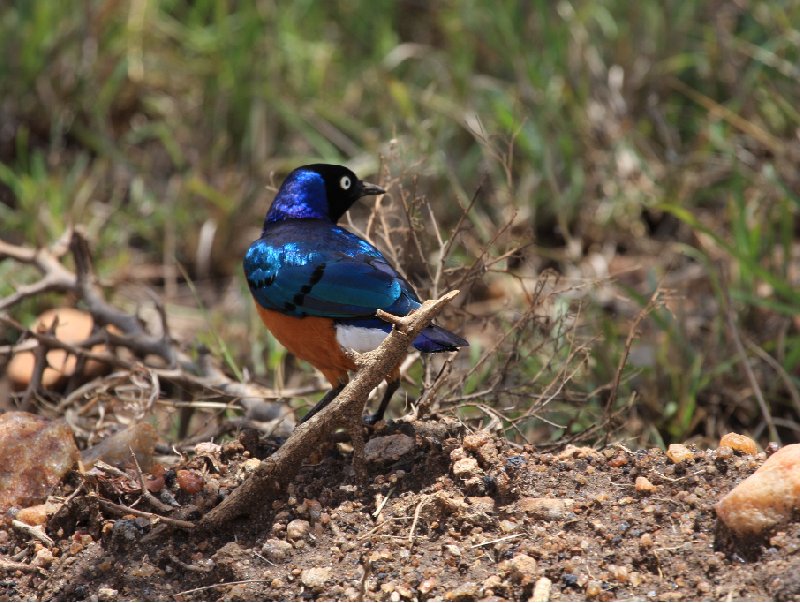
x,y
319,191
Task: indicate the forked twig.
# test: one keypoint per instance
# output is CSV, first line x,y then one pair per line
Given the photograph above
x,y
55,277
270,478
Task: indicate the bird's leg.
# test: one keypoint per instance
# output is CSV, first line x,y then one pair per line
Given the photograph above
x,y
391,387
327,399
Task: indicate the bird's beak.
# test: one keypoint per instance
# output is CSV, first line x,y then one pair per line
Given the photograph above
x,y
371,189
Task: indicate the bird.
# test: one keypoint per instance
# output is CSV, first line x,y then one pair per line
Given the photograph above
x,y
317,286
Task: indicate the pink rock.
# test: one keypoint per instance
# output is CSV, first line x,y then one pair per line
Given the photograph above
x,y
34,455
766,498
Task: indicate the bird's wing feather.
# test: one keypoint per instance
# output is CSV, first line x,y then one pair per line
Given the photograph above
x,y
336,276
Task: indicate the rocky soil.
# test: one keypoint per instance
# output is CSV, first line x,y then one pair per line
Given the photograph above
x,y
445,516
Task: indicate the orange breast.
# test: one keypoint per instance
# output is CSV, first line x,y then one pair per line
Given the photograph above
x,y
312,339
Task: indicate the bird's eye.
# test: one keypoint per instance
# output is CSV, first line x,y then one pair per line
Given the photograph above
x,y
345,182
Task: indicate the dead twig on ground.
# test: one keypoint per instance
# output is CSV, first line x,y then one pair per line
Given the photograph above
x,y
14,566
82,283
122,510
270,478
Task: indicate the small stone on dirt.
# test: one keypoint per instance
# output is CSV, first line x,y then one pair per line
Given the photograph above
x,y
105,593
277,550
427,585
541,590
577,452
642,484
43,558
739,443
466,592
481,504
190,481
593,588
297,529
766,498
34,455
678,453
36,515
521,568
474,441
550,509
466,468
388,448
492,582
452,550
315,577
249,466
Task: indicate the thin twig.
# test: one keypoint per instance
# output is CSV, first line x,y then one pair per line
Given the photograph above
x,y
383,503
121,510
148,496
269,478
496,540
794,393
33,531
220,584
417,512
623,359
14,566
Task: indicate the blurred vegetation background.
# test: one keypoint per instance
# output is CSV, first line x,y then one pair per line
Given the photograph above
x,y
627,145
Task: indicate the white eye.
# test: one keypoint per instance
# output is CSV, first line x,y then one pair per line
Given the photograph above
x,y
345,182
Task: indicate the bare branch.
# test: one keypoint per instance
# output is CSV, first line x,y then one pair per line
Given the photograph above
x,y
55,277
271,477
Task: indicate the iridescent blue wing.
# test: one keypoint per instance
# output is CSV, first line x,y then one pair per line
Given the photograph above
x,y
309,268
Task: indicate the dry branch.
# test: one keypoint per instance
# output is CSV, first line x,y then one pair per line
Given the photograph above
x,y
55,277
269,480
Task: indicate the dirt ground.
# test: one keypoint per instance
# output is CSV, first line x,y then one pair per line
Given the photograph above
x,y
444,517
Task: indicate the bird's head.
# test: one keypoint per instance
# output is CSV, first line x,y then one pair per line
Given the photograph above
x,y
319,191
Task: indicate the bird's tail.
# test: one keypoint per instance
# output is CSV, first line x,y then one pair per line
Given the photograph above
x,y
436,339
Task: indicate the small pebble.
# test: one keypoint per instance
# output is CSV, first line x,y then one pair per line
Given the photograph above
x,y
767,498
475,441
545,508
521,568
594,588
492,582
189,481
739,443
466,467
466,592
249,465
452,550
277,550
724,453
619,572
619,460
315,577
541,590
678,453
105,593
297,529
427,585
43,558
643,484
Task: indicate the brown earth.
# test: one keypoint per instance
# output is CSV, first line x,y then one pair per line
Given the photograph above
x,y
444,516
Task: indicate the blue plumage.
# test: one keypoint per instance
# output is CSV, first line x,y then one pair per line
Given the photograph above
x,y
311,267
305,266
